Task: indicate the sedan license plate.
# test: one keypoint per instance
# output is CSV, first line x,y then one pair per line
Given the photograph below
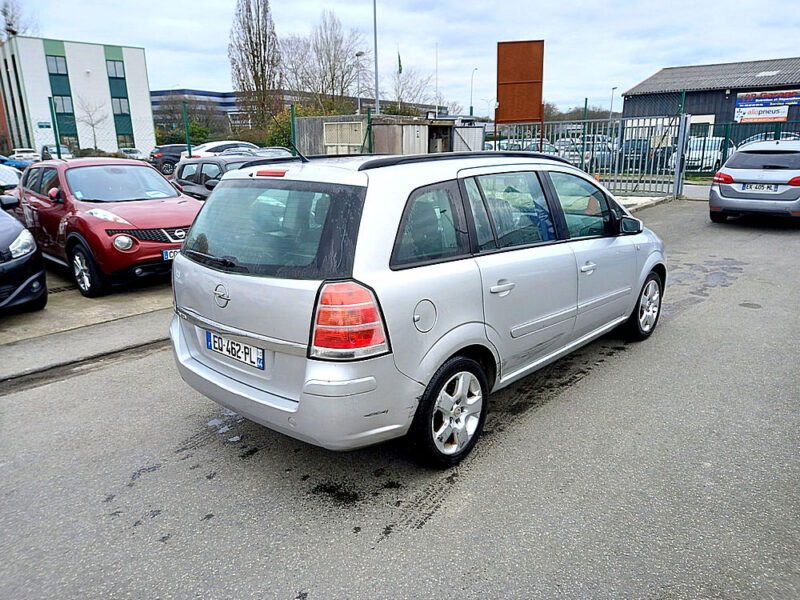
x,y
759,187
170,254
249,355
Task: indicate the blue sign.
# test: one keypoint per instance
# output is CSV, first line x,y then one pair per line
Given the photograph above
x,y
765,99
44,124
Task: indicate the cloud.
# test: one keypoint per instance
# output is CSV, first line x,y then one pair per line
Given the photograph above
x,y
589,46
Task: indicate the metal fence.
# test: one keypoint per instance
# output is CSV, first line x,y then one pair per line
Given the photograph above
x,y
634,156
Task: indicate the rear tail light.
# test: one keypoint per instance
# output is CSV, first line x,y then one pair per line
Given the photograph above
x,y
794,181
157,155
195,156
347,323
721,177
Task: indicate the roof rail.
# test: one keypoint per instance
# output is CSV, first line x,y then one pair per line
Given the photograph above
x,y
415,158
279,159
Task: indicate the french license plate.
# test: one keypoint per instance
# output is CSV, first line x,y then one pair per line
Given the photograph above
x,y
759,187
170,254
249,355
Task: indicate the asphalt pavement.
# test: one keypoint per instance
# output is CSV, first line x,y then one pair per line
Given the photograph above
x,y
667,469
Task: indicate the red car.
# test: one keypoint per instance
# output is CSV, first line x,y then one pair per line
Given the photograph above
x,y
107,219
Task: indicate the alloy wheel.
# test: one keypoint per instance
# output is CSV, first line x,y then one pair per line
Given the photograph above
x,y
81,270
457,413
649,305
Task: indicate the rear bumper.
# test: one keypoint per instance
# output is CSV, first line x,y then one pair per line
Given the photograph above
x,y
342,406
756,205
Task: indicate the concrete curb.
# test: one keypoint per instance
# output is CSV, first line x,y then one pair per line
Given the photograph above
x,y
649,203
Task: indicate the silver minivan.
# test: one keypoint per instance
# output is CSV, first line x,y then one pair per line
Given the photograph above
x,y
347,301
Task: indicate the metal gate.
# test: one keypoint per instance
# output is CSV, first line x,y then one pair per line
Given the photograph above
x,y
635,156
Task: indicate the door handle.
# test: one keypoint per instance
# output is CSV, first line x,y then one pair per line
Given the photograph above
x,y
588,268
503,287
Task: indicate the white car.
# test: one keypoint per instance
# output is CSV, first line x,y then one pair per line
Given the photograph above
x,y
213,148
9,178
25,154
133,153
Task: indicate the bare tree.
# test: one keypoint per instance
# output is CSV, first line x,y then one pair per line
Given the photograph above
x,y
15,21
411,87
325,64
92,115
454,108
255,57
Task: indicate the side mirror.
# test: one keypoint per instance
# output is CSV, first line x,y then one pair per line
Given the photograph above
x,y
630,226
54,194
9,202
211,184
8,186
177,186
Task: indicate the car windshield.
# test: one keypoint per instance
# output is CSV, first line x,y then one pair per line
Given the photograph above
x,y
53,149
284,229
118,183
765,159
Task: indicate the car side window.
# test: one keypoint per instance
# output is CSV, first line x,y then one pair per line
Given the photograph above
x,y
209,171
482,226
49,180
31,182
584,205
432,226
518,208
188,172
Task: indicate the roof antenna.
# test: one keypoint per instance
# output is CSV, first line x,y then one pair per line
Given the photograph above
x,y
300,154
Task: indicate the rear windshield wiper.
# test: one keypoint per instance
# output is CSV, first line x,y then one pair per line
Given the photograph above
x,y
218,260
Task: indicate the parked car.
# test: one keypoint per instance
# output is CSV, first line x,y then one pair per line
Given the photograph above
x,y
347,302
25,154
107,219
770,135
634,154
9,178
22,276
132,153
211,148
707,153
762,177
14,163
266,152
164,158
49,152
198,176
546,147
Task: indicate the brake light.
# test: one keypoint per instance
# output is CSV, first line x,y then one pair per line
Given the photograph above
x,y
271,173
347,323
195,156
721,177
794,181
157,155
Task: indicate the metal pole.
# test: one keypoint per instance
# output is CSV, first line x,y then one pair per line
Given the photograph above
x,y
375,41
436,70
369,130
359,54
583,137
611,108
291,116
186,127
541,130
471,85
55,126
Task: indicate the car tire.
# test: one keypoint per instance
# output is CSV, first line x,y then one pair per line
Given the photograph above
x,y
717,217
39,303
167,167
451,414
644,318
91,281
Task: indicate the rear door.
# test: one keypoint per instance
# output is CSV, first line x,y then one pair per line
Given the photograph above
x,y
28,202
251,267
527,272
606,262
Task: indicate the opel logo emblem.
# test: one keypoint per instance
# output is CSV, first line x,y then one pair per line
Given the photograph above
x,y
180,234
221,296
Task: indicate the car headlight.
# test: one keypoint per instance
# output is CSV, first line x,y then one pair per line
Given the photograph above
x,y
106,215
23,245
123,242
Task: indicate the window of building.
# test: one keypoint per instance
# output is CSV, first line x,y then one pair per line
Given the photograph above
x,y
431,229
585,207
518,208
115,68
120,106
124,140
63,104
71,142
56,65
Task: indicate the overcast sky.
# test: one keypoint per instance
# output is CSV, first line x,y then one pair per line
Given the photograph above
x,y
590,46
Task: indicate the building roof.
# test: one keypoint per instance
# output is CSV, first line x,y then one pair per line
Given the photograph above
x,y
752,74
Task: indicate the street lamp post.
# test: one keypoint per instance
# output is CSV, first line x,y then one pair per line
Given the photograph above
x,y
611,109
375,49
471,82
359,54
489,102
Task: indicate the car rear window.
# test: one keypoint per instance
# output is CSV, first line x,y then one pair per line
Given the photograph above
x,y
278,228
765,159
